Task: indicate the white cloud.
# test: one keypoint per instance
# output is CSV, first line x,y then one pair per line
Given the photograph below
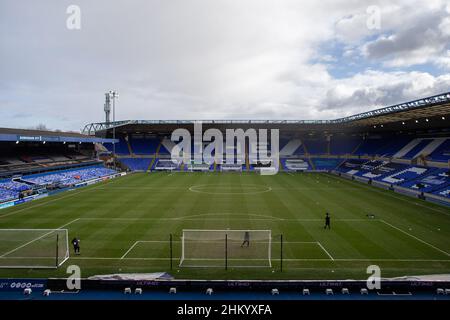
x,y
209,59
374,89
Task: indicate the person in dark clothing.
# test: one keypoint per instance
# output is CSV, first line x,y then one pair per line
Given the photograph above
x,y
246,241
76,245
327,221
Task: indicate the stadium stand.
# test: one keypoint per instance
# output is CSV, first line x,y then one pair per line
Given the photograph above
x,y
341,145
11,189
143,145
434,180
441,153
316,145
326,163
68,177
136,164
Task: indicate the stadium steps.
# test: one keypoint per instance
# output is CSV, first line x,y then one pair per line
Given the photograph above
x,y
311,163
247,162
403,151
130,150
431,147
304,148
357,147
155,156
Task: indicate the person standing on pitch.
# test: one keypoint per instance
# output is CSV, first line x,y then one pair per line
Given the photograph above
x,y
246,239
327,221
76,245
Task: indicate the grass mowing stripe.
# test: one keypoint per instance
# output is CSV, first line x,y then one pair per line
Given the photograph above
x,y
409,201
414,237
149,207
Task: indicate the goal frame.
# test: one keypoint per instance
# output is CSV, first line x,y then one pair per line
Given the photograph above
x,y
234,167
56,257
269,249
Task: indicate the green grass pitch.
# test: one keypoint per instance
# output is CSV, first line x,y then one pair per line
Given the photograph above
x,y
124,225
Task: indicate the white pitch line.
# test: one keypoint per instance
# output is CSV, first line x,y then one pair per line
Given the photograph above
x,y
187,218
312,260
128,251
71,194
38,238
375,189
221,241
414,237
328,254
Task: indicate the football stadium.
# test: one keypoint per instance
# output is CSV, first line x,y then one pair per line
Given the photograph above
x,y
260,152
382,176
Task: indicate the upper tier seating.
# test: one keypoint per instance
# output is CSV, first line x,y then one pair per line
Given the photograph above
x,y
370,145
344,145
136,164
144,145
442,153
121,147
316,145
392,146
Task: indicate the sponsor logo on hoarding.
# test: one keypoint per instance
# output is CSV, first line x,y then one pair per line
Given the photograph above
x,y
19,284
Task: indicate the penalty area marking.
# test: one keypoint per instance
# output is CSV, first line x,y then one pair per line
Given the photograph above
x,y
273,242
325,250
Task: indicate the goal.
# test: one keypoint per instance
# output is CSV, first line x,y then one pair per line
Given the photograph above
x,y
33,248
231,167
226,248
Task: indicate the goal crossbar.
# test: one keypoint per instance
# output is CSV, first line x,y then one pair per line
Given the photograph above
x,y
236,248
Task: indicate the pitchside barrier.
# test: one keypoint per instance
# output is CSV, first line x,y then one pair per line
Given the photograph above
x,y
33,248
226,248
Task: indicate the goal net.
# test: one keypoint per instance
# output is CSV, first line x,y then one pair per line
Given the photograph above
x,y
231,167
226,248
203,167
33,248
166,165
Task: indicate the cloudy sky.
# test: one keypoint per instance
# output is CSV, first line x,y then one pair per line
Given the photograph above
x,y
221,59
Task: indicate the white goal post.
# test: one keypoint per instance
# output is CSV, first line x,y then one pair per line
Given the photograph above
x,y
231,167
226,248
33,248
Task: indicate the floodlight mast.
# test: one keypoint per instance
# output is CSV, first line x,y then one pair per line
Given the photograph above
x,y
113,95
